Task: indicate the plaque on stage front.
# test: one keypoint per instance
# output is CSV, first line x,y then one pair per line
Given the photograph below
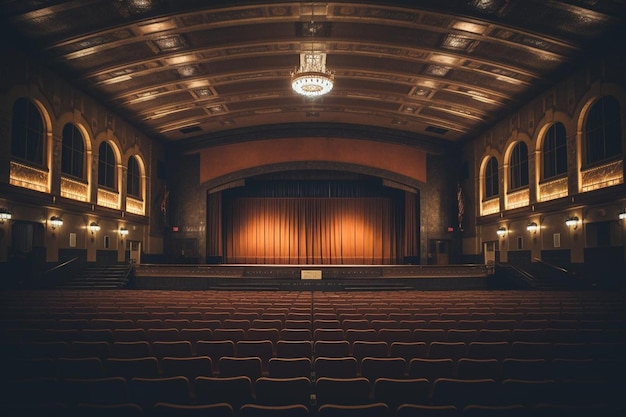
x,y
310,274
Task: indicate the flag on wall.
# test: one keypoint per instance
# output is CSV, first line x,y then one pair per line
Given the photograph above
x,y
166,195
460,206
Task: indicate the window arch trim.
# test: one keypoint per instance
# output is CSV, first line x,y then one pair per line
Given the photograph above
x,y
107,196
34,175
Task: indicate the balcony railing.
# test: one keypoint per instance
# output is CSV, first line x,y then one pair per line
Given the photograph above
x,y
27,176
551,190
74,189
135,206
519,198
602,176
107,198
490,206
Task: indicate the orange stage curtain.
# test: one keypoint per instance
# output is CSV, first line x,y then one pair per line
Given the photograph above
x,y
331,231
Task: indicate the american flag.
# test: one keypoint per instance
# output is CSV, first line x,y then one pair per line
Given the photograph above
x,y
460,206
166,194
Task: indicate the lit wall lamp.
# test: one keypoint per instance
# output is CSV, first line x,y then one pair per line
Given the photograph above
x,y
94,227
501,231
622,215
5,214
123,232
532,227
56,221
572,222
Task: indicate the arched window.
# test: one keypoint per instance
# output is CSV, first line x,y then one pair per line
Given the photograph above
x,y
519,166
27,132
603,131
491,178
133,179
554,151
73,153
106,166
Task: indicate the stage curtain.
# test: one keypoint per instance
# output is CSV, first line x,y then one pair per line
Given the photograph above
x,y
411,241
214,225
333,231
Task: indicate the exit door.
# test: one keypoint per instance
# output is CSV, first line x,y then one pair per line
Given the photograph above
x,y
440,250
489,251
133,251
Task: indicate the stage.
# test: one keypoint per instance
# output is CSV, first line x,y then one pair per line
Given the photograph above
x,y
311,277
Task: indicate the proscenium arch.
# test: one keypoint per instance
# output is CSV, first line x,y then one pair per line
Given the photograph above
x,y
227,159
218,183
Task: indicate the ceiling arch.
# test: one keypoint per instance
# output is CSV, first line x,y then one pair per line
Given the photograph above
x,y
192,71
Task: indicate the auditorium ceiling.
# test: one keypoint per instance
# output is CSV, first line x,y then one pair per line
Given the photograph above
x,y
424,72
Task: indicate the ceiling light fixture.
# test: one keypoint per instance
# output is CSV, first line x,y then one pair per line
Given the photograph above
x,y
312,79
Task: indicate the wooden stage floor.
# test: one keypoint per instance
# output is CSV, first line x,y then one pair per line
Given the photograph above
x,y
311,277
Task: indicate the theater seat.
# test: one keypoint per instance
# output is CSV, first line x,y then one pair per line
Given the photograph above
x,y
163,409
395,392
289,367
256,410
283,391
235,391
366,410
100,410
413,410
336,367
343,391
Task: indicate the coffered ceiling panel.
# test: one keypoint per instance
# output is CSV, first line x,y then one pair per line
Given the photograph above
x,y
193,71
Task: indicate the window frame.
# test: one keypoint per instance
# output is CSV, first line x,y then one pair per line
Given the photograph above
x,y
133,178
594,148
110,167
71,148
519,174
491,180
28,130
552,150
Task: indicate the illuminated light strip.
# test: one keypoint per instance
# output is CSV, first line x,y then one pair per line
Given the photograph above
x,y
29,177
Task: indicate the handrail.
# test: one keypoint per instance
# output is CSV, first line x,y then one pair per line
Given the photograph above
x,y
521,276
523,272
64,264
558,268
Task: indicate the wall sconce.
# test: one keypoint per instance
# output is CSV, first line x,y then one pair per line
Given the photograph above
x,y
123,232
56,221
622,215
5,214
94,227
532,227
572,222
501,231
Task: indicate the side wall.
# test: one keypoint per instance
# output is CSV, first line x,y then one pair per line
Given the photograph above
x,y
550,203
60,103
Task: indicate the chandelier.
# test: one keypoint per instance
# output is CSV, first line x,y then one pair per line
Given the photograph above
x,y
312,79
